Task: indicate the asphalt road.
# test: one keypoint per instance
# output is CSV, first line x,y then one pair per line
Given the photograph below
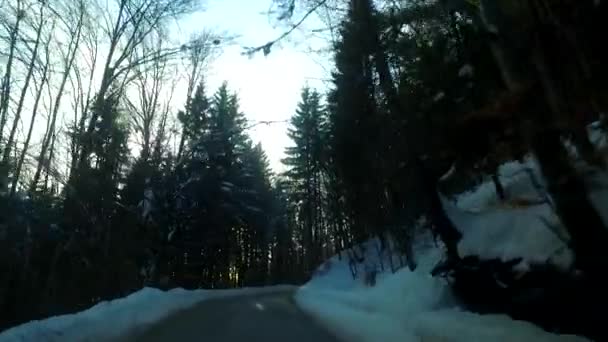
x,y
267,317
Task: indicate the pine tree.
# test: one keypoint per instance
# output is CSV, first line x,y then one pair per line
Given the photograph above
x,y
256,207
285,265
90,206
306,164
209,205
355,129
193,119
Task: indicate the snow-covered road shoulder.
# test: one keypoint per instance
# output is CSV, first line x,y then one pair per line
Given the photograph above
x,y
112,320
412,307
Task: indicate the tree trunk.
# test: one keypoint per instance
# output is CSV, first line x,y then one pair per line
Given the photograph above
x,y
71,56
79,129
500,190
589,236
47,167
26,83
30,129
444,227
5,90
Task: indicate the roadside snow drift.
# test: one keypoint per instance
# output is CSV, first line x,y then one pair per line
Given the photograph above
x,y
337,272
411,307
525,226
113,320
414,306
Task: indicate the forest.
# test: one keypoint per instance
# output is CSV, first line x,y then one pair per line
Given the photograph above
x,y
105,188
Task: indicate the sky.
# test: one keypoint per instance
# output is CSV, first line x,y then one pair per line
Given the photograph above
x,y
269,87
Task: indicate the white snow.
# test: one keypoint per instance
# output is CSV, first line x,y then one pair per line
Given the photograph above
x,y
414,306
520,180
595,178
146,204
526,226
597,136
337,272
410,307
114,320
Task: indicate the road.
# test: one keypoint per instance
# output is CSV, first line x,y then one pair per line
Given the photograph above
x,y
270,317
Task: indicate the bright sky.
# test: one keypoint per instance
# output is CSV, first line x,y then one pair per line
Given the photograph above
x,y
268,86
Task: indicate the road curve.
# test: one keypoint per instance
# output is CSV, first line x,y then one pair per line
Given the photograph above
x,y
272,317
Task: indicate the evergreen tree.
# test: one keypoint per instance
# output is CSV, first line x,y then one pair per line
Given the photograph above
x,y
285,265
215,194
256,207
306,166
90,206
193,119
356,130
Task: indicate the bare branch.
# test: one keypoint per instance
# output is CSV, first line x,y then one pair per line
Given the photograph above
x,y
268,46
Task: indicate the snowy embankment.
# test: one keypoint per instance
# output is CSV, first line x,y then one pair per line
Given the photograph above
x,y
408,307
525,226
414,306
113,320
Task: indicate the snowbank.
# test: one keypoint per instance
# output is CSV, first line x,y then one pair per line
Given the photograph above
x,y
337,272
414,306
533,231
114,319
527,229
520,180
411,307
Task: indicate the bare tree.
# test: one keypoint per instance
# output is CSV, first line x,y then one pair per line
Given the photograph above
x,y
149,85
26,83
198,58
75,34
127,27
5,87
91,39
39,91
47,166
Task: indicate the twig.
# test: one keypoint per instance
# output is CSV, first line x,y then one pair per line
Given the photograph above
x,y
265,123
266,47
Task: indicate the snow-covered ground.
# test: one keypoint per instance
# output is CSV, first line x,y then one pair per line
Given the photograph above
x,y
414,306
526,226
407,307
112,320
337,271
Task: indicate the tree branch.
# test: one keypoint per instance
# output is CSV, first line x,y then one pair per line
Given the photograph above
x,y
266,47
